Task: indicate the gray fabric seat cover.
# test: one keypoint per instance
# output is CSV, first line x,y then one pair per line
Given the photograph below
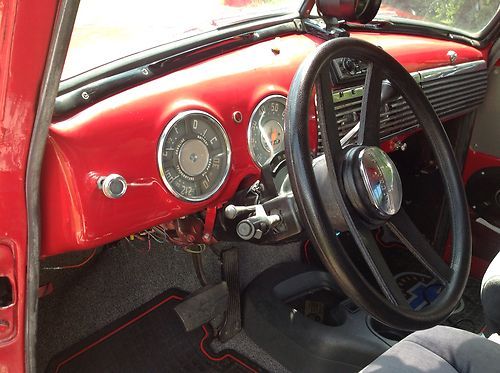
x,y
490,295
441,350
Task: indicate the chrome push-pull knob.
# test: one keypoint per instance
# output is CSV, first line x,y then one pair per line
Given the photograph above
x,y
232,212
112,186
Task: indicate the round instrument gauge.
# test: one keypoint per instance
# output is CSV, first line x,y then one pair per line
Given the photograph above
x,y
194,155
265,131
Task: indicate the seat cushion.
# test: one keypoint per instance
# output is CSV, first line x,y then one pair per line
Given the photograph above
x,y
490,295
439,350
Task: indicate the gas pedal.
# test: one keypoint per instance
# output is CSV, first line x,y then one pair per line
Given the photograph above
x,y
203,306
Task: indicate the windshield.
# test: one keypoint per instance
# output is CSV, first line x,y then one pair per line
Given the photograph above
x,y
111,29
107,30
469,16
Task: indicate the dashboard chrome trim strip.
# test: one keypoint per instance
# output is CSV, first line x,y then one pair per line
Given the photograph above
x,y
446,71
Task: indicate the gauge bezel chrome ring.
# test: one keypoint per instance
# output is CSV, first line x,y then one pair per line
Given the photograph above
x,y
249,127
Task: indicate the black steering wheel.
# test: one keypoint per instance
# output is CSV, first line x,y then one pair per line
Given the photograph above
x,y
366,187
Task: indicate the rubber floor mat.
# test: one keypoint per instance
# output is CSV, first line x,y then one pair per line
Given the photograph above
x,y
150,339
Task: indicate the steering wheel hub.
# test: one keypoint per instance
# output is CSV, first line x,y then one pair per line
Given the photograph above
x,y
372,182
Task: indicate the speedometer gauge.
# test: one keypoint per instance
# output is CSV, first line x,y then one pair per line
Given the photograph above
x,y
194,155
265,131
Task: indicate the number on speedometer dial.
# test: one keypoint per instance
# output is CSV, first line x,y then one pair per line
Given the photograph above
x,y
265,131
194,155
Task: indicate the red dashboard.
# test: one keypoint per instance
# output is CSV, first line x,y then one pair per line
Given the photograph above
x,y
120,135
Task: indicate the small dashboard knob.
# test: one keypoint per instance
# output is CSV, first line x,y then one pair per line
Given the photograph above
x,y
112,186
349,65
246,230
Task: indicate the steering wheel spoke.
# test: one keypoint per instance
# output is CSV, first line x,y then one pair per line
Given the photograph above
x,y
379,268
406,231
369,125
326,114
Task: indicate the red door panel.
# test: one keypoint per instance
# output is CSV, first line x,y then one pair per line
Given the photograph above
x,y
26,28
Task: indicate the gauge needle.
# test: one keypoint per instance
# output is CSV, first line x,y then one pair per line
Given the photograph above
x,y
274,135
266,139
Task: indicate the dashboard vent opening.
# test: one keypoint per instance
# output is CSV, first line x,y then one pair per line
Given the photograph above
x,y
456,94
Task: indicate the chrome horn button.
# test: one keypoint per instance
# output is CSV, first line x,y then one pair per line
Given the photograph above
x,y
381,179
372,182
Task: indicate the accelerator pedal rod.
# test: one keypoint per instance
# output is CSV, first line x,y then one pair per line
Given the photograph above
x,y
231,275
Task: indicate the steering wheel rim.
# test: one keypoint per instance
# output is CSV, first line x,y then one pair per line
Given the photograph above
x,y
390,307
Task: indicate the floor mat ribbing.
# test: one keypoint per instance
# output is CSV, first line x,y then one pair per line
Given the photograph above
x,y
150,339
